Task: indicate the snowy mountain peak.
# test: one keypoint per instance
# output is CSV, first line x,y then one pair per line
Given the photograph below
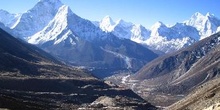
x,y
36,18
197,15
158,25
140,27
107,19
205,24
139,33
7,18
64,25
107,24
65,10
158,28
123,29
56,30
48,5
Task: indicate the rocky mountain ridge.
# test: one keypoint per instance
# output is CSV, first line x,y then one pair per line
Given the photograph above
x,y
162,37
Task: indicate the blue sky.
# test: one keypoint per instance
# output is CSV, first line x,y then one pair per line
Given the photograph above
x,y
145,12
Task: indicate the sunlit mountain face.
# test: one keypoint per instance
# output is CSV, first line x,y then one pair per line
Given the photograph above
x,y
52,58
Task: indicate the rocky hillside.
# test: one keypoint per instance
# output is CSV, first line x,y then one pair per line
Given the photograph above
x,y
204,97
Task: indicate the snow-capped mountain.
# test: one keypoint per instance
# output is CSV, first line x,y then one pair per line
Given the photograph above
x,y
30,24
53,27
36,18
159,37
8,19
106,24
56,31
123,29
66,23
131,31
139,33
168,39
206,24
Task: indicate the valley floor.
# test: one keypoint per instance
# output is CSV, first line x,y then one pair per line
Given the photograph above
x,y
42,94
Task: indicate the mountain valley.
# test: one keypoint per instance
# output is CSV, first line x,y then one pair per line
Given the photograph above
x,y
51,58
